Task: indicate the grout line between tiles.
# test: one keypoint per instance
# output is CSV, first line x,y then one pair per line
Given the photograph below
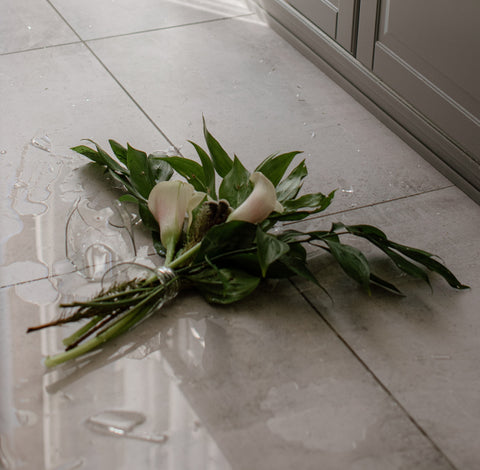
x,y
133,33
40,48
28,281
379,203
112,75
193,23
375,377
130,96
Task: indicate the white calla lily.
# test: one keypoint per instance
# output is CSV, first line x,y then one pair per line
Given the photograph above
x,y
170,202
260,203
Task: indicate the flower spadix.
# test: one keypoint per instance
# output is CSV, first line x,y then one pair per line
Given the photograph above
x,y
261,202
170,202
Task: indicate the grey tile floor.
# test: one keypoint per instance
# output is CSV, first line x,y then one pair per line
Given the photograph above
x,y
288,378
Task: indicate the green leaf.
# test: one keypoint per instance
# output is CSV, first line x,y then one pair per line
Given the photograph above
x,y
352,261
147,217
221,161
291,185
208,170
119,150
226,238
159,170
307,201
140,177
365,231
405,265
426,259
224,286
269,249
128,198
190,170
107,159
157,244
123,179
275,166
311,203
296,262
236,185
378,281
378,238
89,153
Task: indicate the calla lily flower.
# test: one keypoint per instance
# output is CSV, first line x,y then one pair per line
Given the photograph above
x,y
170,202
260,203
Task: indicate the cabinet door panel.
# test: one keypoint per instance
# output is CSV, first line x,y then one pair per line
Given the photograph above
x,y
321,12
346,24
428,52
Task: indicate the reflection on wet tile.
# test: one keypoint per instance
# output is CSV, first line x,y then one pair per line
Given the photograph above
x,y
123,412
41,177
194,387
99,19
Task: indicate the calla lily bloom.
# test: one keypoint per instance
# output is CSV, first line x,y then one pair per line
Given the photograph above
x,y
170,202
260,203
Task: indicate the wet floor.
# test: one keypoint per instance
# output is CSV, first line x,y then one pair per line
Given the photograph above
x,y
289,378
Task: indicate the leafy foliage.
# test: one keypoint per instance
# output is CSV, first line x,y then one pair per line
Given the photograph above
x,y
225,260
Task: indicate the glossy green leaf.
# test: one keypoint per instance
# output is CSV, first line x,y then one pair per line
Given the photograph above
x,y
224,286
364,230
208,170
119,150
405,265
125,181
190,170
147,218
275,166
352,261
128,198
378,238
157,243
89,153
291,185
235,186
269,249
303,207
426,260
227,238
107,159
295,261
137,164
159,170
378,281
221,161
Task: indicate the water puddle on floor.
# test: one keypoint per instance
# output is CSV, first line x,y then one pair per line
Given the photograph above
x,y
42,141
88,229
96,240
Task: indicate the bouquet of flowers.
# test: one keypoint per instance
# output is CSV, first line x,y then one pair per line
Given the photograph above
x,y
220,242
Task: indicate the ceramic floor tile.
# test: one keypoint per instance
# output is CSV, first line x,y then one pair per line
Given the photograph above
x,y
425,347
57,96
100,19
28,24
263,384
260,96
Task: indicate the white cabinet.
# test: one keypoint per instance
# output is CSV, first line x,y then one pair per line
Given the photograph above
x,y
415,63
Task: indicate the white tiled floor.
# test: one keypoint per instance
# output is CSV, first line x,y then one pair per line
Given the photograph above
x,y
287,379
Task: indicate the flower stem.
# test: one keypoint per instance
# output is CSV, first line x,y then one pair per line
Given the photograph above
x,y
81,331
183,257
